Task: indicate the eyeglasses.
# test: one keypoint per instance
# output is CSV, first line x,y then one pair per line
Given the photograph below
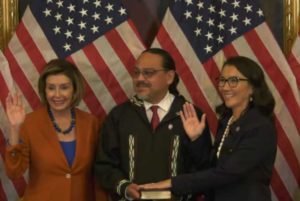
x,y
232,81
147,73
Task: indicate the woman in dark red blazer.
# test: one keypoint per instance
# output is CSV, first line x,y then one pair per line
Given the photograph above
x,y
245,145
56,142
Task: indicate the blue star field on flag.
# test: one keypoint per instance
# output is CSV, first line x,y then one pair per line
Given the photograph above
x,y
72,24
210,25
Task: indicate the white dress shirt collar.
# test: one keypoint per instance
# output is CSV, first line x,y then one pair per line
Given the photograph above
x,y
164,104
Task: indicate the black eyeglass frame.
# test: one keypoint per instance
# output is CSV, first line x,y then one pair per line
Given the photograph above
x,y
232,81
147,72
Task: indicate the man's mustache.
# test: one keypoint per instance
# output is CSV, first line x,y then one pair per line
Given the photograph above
x,y
142,84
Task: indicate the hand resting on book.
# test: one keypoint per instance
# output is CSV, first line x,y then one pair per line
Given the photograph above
x,y
165,184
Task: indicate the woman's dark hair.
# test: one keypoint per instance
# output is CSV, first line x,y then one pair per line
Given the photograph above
x,y
262,97
61,66
168,64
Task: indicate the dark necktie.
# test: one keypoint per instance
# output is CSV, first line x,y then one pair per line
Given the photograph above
x,y
155,117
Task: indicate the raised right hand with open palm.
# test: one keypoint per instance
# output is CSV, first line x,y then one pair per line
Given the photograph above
x,y
15,112
191,123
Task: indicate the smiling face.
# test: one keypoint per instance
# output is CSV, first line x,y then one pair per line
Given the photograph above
x,y
59,92
235,98
150,80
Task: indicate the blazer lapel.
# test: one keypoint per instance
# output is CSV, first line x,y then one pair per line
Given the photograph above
x,y
79,130
51,136
82,133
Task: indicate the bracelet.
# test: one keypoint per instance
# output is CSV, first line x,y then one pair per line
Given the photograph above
x,y
13,153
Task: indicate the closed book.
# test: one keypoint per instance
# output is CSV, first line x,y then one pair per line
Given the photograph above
x,y
155,194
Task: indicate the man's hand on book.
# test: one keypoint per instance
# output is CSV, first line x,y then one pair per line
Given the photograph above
x,y
133,191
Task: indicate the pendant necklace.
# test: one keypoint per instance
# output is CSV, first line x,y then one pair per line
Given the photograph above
x,y
55,125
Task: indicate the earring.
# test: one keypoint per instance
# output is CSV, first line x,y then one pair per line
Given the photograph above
x,y
250,99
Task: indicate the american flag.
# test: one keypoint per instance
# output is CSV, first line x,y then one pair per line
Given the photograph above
x,y
294,60
98,36
201,34
6,84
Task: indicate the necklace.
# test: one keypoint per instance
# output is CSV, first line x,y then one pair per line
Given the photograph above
x,y
225,134
57,128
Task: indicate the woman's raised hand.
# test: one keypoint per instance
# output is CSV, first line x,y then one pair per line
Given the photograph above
x,y
193,127
15,110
